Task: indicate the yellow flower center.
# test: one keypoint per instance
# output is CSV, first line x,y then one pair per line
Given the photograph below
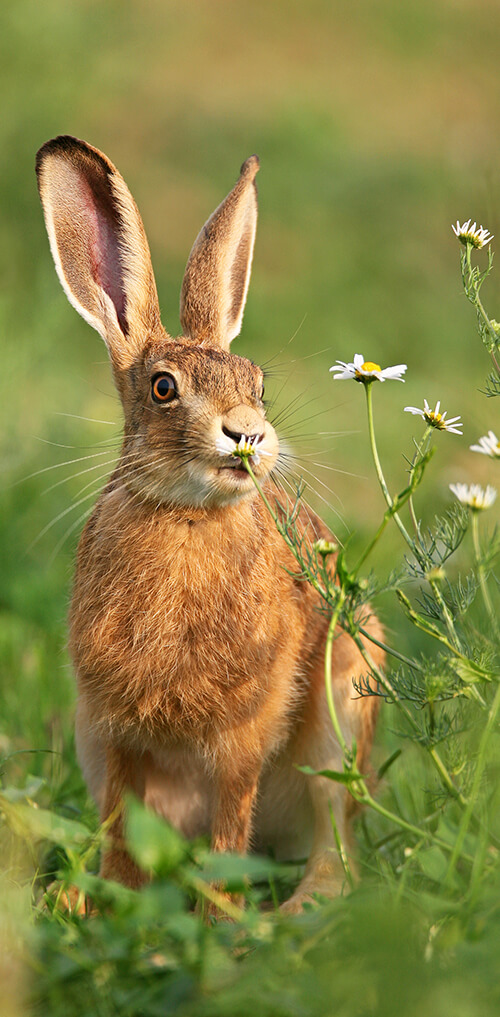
x,y
370,366
435,419
471,238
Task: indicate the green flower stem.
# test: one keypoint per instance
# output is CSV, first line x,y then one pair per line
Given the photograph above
x,y
385,490
341,849
328,674
434,754
416,457
364,797
413,517
476,784
372,544
390,512
427,626
381,479
333,621
479,305
480,570
281,529
328,658
393,653
445,611
359,789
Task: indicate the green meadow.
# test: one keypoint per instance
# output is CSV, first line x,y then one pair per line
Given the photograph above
x,y
376,125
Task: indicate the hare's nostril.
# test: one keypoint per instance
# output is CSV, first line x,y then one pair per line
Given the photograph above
x,y
237,436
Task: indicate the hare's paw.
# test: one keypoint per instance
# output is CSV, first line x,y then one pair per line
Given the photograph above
x,y
325,882
222,907
67,897
295,904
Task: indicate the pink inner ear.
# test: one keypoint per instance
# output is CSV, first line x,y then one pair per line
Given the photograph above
x,y
103,227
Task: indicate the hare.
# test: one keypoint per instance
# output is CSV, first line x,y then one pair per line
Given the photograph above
x,y
199,655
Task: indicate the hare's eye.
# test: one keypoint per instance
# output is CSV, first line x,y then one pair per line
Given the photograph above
x,y
163,388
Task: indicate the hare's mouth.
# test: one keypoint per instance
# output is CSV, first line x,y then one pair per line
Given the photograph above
x,y
237,470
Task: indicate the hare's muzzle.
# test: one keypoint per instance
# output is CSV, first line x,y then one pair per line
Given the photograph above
x,y
244,422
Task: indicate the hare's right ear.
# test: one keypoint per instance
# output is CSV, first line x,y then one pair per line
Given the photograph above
x,y
215,285
98,244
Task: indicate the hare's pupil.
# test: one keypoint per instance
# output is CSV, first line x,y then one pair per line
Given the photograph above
x,y
163,388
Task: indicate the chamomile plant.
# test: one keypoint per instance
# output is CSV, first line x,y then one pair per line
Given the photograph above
x,y
445,702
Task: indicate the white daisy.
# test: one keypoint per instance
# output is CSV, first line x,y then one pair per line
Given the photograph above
x,y
489,445
474,495
365,370
245,448
437,419
472,234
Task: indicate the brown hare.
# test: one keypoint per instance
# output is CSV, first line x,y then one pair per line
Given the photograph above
x,y
199,656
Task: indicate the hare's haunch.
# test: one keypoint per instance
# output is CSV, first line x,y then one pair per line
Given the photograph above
x,y
199,656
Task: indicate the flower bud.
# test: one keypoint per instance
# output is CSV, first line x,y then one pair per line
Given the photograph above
x,y
325,547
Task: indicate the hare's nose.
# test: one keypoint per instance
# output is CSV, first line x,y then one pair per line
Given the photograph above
x,y
238,435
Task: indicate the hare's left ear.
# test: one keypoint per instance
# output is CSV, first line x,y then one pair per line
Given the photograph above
x,y
99,246
217,274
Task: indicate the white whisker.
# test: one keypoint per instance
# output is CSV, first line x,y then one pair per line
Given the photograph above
x,y
80,473
60,544
55,466
58,517
289,341
91,420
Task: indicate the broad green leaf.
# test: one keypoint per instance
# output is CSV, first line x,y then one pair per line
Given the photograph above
x,y
433,862
152,841
42,824
235,870
30,790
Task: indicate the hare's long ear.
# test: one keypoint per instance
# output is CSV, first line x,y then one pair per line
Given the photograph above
x,y
217,274
98,244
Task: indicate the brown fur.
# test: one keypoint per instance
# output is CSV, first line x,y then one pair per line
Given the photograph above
x,y
199,656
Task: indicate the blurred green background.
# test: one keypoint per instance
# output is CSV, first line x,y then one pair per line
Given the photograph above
x,y
377,127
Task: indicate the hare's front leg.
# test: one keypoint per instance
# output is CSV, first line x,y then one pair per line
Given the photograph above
x,y
124,773
232,818
110,772
233,812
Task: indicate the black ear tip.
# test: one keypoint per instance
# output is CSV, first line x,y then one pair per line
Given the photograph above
x,y
250,167
63,144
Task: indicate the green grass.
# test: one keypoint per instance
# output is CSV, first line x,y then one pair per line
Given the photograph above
x,y
376,125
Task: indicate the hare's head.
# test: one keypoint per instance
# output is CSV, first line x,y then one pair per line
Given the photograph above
x,y
188,402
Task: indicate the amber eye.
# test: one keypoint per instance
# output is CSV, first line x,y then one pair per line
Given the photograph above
x,y
163,388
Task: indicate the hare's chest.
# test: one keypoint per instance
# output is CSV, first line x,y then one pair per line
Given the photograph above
x,y
184,633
